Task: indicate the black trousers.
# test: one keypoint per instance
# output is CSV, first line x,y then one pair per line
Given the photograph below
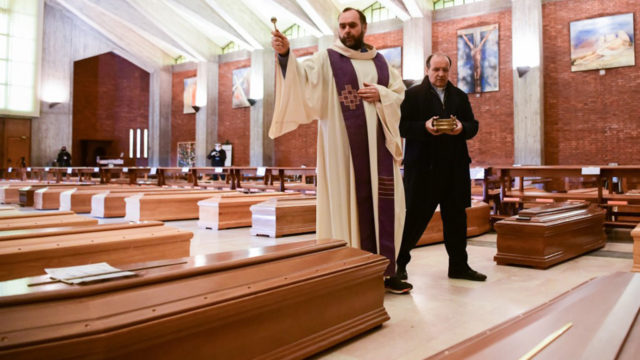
x,y
424,191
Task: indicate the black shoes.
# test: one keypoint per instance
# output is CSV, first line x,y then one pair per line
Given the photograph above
x,y
396,286
467,274
402,273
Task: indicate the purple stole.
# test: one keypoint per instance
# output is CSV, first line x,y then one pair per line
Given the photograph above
x,y
356,125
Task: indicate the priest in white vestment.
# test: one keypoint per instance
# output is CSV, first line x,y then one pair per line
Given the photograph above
x,y
314,90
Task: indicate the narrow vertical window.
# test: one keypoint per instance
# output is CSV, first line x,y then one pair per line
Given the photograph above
x,y
130,143
137,143
146,143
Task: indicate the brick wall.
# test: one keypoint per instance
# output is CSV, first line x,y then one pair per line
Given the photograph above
x,y
233,124
299,146
493,110
183,126
110,96
589,118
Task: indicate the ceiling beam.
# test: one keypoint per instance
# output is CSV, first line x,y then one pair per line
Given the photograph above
x,y
208,21
244,21
178,28
150,56
297,13
417,8
397,8
323,13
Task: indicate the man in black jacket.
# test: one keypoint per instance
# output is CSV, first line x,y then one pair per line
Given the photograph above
x,y
436,165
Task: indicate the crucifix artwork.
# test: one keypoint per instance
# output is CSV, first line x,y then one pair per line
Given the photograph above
x,y
478,59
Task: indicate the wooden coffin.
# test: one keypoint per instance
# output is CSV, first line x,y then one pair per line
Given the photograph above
x,y
635,234
284,216
478,222
600,318
227,211
30,256
546,235
45,220
47,198
10,194
286,301
66,230
171,206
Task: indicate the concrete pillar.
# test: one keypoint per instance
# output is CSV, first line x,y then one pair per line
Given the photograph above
x,y
160,117
263,92
528,100
416,46
207,115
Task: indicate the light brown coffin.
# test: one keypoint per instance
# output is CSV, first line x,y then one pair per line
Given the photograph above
x,y
62,230
47,198
44,220
227,211
604,317
546,235
79,200
10,194
284,216
287,301
477,223
180,206
30,256
635,234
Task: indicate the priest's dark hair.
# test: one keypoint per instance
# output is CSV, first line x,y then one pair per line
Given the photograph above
x,y
363,18
437,54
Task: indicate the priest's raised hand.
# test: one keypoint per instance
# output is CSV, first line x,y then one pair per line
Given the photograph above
x,y
279,43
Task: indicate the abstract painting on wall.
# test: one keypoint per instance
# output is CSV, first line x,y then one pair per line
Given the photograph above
x,y
186,153
478,59
240,91
189,95
394,57
601,43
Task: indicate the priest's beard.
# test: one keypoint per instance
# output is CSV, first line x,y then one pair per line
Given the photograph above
x,y
353,42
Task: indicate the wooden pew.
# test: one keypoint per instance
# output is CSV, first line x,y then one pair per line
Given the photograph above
x,y
600,316
30,256
546,235
231,210
165,206
285,215
477,223
284,301
43,220
635,234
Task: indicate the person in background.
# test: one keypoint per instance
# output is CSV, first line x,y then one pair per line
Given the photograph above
x,y
64,158
218,156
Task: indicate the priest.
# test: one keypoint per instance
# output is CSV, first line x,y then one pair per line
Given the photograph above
x,y
355,96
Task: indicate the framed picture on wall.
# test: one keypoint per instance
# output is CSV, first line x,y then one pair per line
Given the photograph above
x,y
602,43
189,95
478,59
394,57
240,91
186,154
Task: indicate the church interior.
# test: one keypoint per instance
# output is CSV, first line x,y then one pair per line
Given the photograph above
x,y
157,246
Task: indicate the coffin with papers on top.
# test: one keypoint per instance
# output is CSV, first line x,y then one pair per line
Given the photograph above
x,y
283,301
546,235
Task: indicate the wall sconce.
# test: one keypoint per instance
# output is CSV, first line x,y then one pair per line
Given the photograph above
x,y
53,104
195,108
522,70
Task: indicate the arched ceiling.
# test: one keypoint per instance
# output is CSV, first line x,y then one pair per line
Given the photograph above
x,y
198,29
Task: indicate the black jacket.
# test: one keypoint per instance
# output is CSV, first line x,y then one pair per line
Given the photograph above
x,y
426,151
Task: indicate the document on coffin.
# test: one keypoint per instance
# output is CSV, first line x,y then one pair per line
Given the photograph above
x,y
84,274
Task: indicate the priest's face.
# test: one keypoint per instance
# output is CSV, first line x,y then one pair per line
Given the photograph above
x,y
438,71
351,30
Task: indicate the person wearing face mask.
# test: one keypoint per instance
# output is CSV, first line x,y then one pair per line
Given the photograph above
x,y
218,156
436,165
355,96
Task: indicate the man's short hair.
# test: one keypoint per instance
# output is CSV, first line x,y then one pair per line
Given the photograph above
x,y
436,54
363,18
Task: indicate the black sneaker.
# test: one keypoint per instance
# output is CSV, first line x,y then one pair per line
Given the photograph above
x,y
402,273
397,286
468,274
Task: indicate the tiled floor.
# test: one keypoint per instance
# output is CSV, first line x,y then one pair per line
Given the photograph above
x,y
440,312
